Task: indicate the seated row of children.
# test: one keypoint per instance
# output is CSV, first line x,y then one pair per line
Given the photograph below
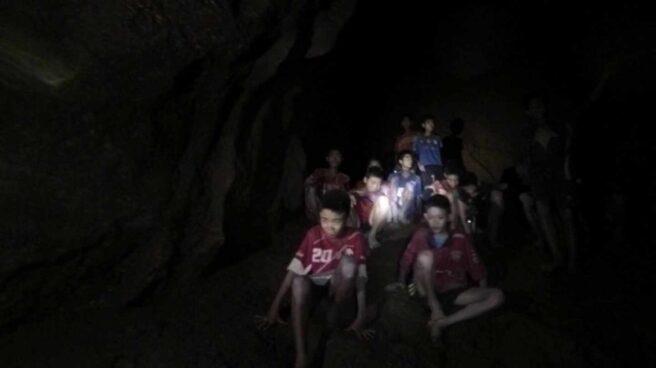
x,y
438,263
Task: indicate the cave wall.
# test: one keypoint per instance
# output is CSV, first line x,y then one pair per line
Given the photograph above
x,y
132,129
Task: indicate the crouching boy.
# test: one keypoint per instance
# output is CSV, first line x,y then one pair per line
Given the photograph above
x,y
329,262
441,261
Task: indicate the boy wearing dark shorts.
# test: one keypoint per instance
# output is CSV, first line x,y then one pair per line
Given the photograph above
x,y
442,262
331,260
427,147
404,190
323,180
371,205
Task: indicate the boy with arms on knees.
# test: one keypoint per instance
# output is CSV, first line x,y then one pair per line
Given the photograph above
x,y
442,261
405,141
330,261
371,205
427,147
323,180
448,187
404,190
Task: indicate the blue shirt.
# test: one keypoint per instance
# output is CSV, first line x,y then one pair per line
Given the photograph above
x,y
398,182
427,149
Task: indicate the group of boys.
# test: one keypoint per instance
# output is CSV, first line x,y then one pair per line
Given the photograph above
x,y
438,263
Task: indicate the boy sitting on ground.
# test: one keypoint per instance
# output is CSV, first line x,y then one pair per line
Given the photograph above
x,y
371,205
323,180
441,261
404,190
331,261
448,187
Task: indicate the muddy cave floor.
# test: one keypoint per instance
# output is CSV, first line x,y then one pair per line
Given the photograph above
x,y
548,320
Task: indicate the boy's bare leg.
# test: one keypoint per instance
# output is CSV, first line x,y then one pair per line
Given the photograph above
x,y
312,203
476,301
546,221
424,281
407,198
380,214
300,292
528,205
570,234
494,216
342,286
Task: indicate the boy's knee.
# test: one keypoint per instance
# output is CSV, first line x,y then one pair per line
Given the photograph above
x,y
526,200
347,267
496,197
496,298
300,288
383,204
425,260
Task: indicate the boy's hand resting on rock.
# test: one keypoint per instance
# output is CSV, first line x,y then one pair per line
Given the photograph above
x,y
362,333
263,323
395,287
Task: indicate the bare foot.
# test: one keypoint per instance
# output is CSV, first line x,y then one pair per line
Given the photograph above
x,y
373,242
436,326
301,361
550,267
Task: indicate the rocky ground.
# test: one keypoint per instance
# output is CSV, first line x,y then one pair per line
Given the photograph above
x,y
546,322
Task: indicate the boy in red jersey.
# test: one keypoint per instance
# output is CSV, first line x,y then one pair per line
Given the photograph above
x,y
323,180
448,187
331,260
371,205
442,261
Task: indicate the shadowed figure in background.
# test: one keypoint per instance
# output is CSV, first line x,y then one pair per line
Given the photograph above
x,y
452,146
427,147
323,180
405,141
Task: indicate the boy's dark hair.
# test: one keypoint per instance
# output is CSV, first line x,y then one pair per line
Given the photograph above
x,y
336,200
428,117
438,201
402,154
543,96
335,149
457,126
468,178
452,169
374,171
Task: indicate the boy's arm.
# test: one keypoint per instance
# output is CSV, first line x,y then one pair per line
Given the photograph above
x,y
273,315
407,260
361,296
462,215
476,268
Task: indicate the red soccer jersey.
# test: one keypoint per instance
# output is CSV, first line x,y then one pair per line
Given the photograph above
x,y
318,255
364,204
456,259
325,181
404,142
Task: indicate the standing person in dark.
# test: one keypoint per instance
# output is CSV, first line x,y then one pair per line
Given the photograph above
x,y
452,146
427,147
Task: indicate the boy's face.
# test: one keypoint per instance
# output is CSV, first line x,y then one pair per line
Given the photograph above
x,y
331,222
373,183
334,158
452,180
471,189
428,125
375,163
536,108
437,218
406,162
405,123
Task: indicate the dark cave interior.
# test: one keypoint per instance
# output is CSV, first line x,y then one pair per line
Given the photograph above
x,y
153,156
